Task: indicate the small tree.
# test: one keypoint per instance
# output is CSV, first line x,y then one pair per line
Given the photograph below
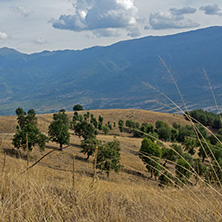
x,y
150,154
105,130
190,144
108,157
77,107
35,137
183,170
89,146
85,130
121,125
59,129
164,133
27,128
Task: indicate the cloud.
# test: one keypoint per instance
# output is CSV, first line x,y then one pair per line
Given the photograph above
x,y
25,12
3,36
173,19
99,16
182,11
106,33
40,41
133,32
211,10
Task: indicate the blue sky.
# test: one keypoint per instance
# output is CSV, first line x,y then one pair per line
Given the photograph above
x,y
33,26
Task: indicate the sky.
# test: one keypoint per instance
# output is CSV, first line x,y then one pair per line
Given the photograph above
x,y
33,26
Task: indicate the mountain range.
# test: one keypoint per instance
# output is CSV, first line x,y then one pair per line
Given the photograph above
x,y
114,76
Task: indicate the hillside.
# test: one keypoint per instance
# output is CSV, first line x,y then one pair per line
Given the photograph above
x,y
113,76
46,192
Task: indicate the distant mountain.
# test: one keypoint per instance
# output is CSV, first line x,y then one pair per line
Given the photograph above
x,y
113,76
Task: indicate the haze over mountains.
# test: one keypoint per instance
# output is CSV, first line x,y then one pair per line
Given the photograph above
x,y
113,76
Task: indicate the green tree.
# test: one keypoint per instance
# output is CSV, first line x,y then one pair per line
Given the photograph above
x,y
108,157
166,179
105,130
77,107
85,130
150,154
168,154
27,128
164,133
89,146
199,168
183,170
59,129
121,125
159,124
190,144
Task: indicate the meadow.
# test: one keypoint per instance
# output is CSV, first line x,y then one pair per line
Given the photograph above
x,y
47,192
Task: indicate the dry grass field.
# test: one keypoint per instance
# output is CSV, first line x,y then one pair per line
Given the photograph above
x,y
46,192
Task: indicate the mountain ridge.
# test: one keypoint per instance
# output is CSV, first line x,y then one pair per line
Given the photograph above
x,y
111,76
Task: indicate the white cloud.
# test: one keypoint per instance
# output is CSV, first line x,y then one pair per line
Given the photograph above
x,y
106,33
99,15
3,36
173,19
40,41
25,12
211,10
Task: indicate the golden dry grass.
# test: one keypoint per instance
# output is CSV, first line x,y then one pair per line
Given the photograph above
x,y
45,193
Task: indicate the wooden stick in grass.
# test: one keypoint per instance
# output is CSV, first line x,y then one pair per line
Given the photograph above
x,y
27,148
95,159
73,172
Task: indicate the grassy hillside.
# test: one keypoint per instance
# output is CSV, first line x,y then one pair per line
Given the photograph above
x,y
45,193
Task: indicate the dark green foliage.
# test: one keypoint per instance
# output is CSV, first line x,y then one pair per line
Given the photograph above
x,y
174,135
24,119
145,129
199,168
217,152
214,172
59,129
94,122
108,157
89,146
206,118
28,126
184,132
201,131
204,149
178,149
166,179
121,125
85,130
220,131
35,137
164,133
77,107
159,124
169,154
183,170
100,125
109,125
129,123
190,144
105,130
152,136
217,123
100,119
150,153
176,126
